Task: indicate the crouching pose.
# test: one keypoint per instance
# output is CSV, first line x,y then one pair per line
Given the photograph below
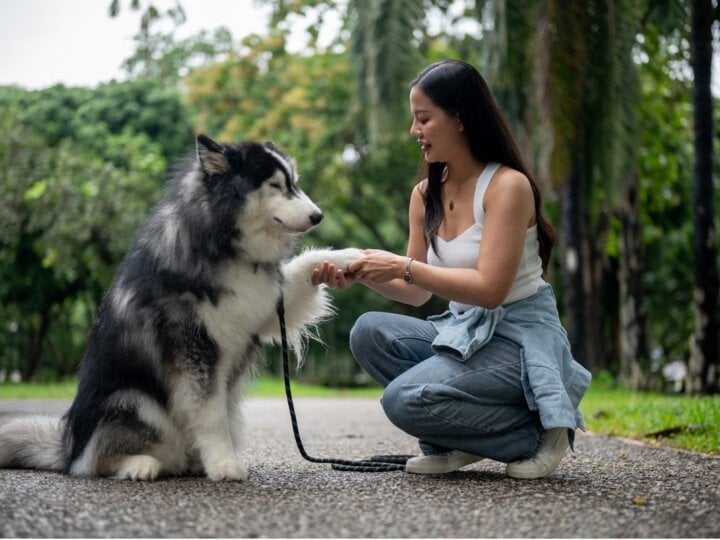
x,y
493,376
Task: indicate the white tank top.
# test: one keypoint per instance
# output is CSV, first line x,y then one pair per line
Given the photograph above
x,y
462,251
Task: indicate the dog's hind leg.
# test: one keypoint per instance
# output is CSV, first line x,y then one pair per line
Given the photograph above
x,y
135,440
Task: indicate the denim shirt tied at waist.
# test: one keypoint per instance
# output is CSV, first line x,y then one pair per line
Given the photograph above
x,y
553,382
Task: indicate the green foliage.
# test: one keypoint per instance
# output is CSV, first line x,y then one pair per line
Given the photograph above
x,y
162,57
665,180
308,106
385,49
79,169
88,116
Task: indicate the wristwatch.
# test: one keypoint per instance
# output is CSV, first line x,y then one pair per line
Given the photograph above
x,y
408,276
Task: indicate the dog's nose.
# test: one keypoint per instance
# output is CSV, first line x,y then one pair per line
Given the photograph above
x,y
316,217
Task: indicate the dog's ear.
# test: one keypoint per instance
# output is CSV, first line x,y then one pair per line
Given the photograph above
x,y
270,145
211,156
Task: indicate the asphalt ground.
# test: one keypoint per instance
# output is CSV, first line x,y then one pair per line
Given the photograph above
x,y
610,487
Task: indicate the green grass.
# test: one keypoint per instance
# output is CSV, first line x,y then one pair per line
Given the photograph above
x,y
56,390
270,387
689,422
263,387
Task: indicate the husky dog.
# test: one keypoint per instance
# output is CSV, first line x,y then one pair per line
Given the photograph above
x,y
173,343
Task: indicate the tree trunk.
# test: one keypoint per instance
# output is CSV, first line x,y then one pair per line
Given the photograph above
x,y
703,361
634,350
572,271
599,296
35,352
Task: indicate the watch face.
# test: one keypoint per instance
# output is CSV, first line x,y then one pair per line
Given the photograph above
x,y
407,277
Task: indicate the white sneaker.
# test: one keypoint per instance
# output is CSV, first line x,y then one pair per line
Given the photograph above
x,y
547,458
440,463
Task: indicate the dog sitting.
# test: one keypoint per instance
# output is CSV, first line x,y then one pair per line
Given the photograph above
x,y
175,337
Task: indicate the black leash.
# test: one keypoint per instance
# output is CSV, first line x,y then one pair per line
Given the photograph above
x,y
373,464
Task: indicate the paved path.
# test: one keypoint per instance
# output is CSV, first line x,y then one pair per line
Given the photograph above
x,y
609,488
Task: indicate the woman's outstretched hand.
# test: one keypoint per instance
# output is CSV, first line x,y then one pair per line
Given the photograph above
x,y
375,266
378,266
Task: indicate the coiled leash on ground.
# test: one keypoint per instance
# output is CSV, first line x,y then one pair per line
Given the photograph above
x,y
373,464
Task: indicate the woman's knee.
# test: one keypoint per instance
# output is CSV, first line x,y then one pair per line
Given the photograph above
x,y
401,403
364,332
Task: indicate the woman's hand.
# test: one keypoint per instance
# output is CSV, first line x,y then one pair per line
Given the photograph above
x,y
378,266
331,276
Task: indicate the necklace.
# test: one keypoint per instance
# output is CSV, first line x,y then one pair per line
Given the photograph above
x,y
451,204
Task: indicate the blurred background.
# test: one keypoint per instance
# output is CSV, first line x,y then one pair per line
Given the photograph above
x,y
612,102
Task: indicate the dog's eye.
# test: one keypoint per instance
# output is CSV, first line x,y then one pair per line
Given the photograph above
x,y
276,185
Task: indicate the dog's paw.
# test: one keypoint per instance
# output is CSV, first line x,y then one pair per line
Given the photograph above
x,y
342,258
140,467
227,469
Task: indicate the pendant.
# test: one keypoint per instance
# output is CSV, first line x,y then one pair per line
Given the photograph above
x,y
451,205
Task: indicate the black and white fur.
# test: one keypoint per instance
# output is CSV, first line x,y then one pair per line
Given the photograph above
x,y
174,340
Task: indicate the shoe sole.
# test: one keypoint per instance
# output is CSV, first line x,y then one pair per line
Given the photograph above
x,y
520,475
448,468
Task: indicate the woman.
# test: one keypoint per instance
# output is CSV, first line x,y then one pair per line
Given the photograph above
x,y
493,376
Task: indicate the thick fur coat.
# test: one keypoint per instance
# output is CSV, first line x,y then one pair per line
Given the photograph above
x,y
174,341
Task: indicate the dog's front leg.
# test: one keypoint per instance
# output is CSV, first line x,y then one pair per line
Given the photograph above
x,y
306,304
214,440
209,428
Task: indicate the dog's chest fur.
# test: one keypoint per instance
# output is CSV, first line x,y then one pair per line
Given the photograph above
x,y
248,301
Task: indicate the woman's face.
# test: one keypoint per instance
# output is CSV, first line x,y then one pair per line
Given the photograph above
x,y
439,134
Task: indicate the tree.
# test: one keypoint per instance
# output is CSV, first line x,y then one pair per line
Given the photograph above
x,y
79,170
66,219
148,41
592,86
582,84
704,362
652,222
384,46
305,105
165,58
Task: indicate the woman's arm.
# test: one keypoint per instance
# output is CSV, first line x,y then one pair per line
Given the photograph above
x,y
395,289
509,210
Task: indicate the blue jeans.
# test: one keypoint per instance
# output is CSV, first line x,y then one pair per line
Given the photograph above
x,y
477,406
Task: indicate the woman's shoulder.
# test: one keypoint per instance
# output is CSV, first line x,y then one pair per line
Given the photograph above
x,y
417,197
507,174
420,188
511,182
511,190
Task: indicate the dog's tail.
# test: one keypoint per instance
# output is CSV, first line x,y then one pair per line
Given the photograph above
x,y
32,442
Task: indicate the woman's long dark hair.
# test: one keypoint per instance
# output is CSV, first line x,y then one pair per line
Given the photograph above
x,y
458,88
